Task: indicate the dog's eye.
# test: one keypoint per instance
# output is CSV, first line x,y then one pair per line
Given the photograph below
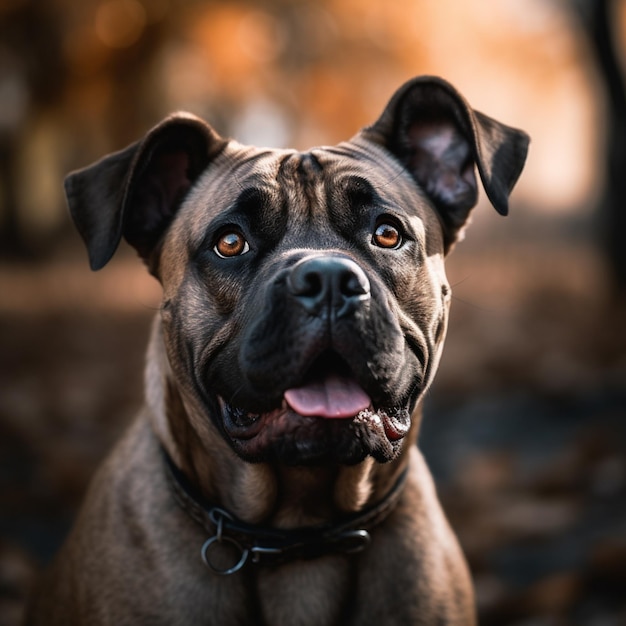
x,y
231,243
387,236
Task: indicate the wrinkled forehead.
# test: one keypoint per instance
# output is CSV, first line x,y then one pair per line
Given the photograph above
x,y
315,179
255,166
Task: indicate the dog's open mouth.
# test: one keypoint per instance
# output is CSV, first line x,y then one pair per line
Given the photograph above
x,y
328,409
329,390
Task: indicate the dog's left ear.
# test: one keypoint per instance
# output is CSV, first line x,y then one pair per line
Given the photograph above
x,y
439,138
136,192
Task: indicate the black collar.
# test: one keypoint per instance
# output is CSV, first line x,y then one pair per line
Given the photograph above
x,y
271,546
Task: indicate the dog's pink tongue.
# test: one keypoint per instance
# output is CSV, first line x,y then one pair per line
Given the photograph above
x,y
334,397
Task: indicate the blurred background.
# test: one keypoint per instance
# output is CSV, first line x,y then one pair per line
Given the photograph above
x,y
526,425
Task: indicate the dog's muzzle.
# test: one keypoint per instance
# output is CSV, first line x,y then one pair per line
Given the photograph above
x,y
326,358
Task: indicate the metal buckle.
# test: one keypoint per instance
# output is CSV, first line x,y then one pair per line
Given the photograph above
x,y
259,551
217,516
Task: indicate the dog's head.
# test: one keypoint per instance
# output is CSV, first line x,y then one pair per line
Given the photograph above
x,y
305,300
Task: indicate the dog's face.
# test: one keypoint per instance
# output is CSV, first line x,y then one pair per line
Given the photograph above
x,y
310,303
305,299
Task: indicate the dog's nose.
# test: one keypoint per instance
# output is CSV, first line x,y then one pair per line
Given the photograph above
x,y
328,283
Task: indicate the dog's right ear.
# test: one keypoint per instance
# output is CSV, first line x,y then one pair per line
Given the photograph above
x,y
136,192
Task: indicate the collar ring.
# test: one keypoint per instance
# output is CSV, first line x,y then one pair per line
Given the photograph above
x,y
205,553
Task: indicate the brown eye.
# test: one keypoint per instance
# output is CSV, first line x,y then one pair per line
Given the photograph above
x,y
231,243
387,236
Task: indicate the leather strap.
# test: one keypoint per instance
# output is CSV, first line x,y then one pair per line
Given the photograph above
x,y
270,546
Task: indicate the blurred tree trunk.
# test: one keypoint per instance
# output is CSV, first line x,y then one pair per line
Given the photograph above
x,y
11,242
31,49
597,17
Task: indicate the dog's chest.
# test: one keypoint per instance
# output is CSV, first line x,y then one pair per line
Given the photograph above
x,y
305,593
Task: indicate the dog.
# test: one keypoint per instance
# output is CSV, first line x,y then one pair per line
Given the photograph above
x,y
272,477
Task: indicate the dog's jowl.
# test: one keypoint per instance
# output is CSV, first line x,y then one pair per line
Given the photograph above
x,y
272,477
